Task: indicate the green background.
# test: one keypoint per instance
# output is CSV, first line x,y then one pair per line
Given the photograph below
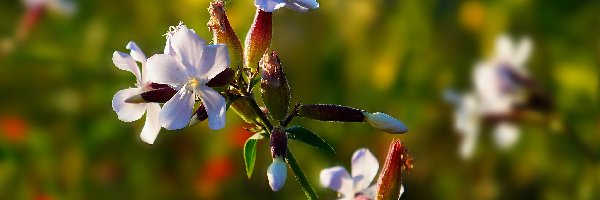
x,y
60,138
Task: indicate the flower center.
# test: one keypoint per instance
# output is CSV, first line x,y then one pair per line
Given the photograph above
x,y
191,84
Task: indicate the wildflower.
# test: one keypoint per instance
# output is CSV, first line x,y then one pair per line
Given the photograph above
x,y
129,112
364,170
187,65
277,171
298,5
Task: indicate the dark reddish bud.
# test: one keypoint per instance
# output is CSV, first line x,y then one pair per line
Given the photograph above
x,y
223,33
222,79
258,39
330,112
274,86
389,185
278,143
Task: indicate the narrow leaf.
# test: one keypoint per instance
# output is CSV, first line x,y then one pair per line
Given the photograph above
x,y
304,135
250,152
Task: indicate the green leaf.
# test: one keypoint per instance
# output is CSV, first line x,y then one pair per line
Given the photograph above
x,y
250,152
304,135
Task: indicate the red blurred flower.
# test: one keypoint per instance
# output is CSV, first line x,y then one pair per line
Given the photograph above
x,y
13,128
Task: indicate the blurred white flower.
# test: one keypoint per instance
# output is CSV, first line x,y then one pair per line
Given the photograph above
x,y
129,112
500,85
364,170
298,5
187,66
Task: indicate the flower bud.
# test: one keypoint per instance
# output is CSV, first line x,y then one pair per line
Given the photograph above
x,y
278,143
221,79
389,185
158,95
386,123
243,109
258,39
274,86
277,173
198,116
330,112
223,33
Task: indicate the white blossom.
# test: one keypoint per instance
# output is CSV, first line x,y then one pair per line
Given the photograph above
x,y
364,170
187,65
277,174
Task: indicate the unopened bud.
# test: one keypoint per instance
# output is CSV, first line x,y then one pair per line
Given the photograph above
x,y
389,185
242,107
386,123
277,173
258,39
160,95
278,143
222,79
330,112
274,86
223,33
198,116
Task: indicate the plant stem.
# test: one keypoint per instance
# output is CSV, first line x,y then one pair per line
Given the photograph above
x,y
309,191
291,161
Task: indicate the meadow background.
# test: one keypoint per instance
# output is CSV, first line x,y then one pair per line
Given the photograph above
x,y
60,138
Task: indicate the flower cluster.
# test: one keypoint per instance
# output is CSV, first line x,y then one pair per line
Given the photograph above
x,y
190,73
503,89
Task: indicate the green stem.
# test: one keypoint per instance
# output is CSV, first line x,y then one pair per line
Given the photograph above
x,y
309,191
291,161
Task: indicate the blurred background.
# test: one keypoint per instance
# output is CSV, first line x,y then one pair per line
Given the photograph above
x,y
60,138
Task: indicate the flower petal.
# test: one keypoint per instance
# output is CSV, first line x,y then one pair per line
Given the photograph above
x,y
176,113
338,179
125,62
269,5
215,106
311,4
522,52
188,46
504,48
152,124
128,112
136,52
166,69
215,59
364,168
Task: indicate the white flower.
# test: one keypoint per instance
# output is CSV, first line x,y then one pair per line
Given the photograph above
x,y
298,5
129,112
187,66
505,135
364,170
384,122
277,174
